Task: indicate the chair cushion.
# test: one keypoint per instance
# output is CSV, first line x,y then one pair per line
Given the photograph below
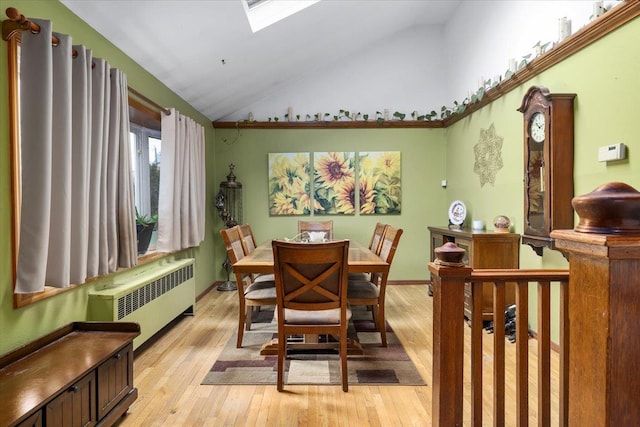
x,y
317,236
362,289
359,276
261,290
314,317
266,277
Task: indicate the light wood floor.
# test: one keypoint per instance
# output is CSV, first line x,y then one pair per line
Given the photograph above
x,y
168,373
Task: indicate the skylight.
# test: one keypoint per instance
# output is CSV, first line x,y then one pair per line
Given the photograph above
x,y
262,13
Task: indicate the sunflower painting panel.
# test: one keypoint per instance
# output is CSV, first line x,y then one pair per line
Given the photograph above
x,y
289,184
334,183
380,184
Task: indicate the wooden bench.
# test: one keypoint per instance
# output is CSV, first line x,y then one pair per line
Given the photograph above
x,y
80,374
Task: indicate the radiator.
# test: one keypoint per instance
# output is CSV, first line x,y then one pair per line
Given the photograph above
x,y
153,298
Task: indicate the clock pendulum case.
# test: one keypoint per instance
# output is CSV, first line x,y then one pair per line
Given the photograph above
x,y
548,165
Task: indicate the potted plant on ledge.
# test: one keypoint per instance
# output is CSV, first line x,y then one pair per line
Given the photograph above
x,y
145,225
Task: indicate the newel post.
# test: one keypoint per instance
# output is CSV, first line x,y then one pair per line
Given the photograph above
x,y
449,274
604,307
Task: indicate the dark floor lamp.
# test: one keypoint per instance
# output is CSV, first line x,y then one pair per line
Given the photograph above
x,y
229,205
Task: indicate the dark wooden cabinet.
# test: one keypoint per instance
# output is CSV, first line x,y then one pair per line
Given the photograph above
x,y
115,380
77,376
75,406
484,249
34,420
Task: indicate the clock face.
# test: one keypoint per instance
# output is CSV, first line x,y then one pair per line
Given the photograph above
x,y
537,127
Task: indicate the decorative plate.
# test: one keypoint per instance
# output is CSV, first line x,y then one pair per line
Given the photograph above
x,y
457,212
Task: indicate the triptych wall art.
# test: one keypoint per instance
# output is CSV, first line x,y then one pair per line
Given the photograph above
x,y
336,185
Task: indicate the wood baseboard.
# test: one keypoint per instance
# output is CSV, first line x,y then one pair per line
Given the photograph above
x,y
408,282
209,288
554,345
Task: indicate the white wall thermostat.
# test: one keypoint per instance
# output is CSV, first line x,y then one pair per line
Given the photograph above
x,y
612,152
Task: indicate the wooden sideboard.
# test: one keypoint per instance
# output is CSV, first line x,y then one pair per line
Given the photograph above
x,y
78,375
484,249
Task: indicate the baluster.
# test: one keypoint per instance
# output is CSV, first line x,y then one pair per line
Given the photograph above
x,y
498,354
563,408
476,353
544,353
522,353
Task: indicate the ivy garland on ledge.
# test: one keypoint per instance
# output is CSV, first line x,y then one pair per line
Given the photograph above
x,y
546,55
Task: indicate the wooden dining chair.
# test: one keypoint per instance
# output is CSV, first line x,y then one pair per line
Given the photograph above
x,y
248,240
374,246
252,291
320,226
249,245
311,284
371,293
376,238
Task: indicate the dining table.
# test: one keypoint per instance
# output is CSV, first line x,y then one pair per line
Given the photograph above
x,y
360,260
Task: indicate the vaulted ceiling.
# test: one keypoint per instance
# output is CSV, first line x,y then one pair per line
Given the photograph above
x,y
206,52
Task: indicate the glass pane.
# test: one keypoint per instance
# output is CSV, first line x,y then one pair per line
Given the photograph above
x,y
535,190
134,164
155,147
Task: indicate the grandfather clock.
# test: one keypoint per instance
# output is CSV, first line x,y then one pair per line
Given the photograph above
x,y
548,165
229,205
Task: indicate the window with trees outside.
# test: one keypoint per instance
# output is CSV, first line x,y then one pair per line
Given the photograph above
x,y
145,168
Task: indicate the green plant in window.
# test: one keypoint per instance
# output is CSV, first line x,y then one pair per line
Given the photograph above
x,y
145,220
145,224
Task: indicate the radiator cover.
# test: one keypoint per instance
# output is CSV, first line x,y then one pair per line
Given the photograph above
x,y
153,298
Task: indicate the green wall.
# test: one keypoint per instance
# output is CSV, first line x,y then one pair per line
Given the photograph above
x,y
605,78
423,168
19,326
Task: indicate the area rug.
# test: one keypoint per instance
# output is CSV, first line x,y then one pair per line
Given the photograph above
x,y
378,365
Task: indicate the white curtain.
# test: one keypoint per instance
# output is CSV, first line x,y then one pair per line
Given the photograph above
x,y
81,155
181,202
77,214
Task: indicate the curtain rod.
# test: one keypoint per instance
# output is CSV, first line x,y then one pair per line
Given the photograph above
x,y
21,23
149,101
18,22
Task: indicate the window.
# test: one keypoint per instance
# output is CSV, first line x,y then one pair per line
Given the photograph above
x,y
146,156
262,13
